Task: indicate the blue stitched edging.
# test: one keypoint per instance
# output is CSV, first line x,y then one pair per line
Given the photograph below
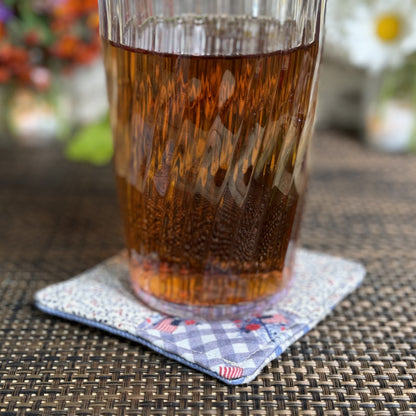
x,y
139,340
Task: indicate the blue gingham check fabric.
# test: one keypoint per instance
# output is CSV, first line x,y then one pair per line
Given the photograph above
x,y
234,351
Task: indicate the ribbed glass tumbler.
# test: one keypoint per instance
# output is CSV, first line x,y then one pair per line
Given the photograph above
x,y
212,107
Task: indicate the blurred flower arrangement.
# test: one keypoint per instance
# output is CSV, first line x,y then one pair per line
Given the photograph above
x,y
44,45
39,36
380,37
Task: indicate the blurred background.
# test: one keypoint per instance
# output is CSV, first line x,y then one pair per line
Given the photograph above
x,y
368,78
52,85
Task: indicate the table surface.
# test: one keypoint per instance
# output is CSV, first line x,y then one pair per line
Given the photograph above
x,y
59,218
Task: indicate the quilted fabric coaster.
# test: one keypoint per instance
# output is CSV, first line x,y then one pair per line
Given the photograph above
x,y
234,351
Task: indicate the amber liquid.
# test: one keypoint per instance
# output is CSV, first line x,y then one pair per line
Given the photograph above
x,y
209,158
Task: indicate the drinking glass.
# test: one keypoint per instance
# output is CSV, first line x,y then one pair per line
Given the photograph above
x,y
212,106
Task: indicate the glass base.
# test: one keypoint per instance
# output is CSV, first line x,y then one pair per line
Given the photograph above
x,y
209,313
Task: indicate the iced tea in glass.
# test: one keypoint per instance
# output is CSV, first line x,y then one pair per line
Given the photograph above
x,y
212,106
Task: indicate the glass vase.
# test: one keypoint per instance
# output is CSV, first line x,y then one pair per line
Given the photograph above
x,y
391,109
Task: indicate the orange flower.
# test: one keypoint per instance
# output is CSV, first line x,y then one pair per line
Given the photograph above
x,y
24,73
87,53
5,74
6,52
93,21
20,56
66,47
60,25
73,9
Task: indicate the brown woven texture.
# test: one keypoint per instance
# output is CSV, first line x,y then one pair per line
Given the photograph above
x,y
58,218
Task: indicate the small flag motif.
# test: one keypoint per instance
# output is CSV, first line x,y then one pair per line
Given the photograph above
x,y
230,372
166,325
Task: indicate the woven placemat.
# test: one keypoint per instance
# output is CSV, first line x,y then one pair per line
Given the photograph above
x,y
58,219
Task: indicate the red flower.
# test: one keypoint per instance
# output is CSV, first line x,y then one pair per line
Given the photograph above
x,y
14,62
2,30
32,37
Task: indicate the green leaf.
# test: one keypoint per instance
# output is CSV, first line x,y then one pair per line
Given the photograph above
x,y
10,3
92,144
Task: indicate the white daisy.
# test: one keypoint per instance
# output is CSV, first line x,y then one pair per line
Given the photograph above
x,y
375,34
